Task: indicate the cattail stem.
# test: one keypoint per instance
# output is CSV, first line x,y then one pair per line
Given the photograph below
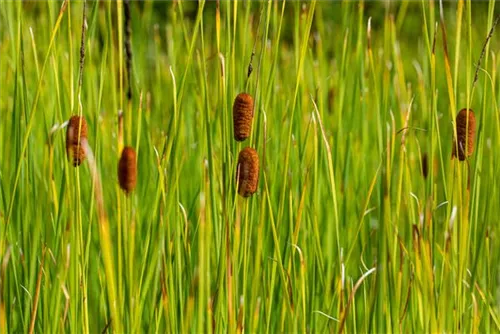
x,y
120,131
128,47
37,292
250,66
82,46
106,243
484,50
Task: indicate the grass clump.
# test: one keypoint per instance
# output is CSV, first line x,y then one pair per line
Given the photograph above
x,y
351,102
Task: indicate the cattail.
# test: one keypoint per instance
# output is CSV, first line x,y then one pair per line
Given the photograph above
x,y
242,116
425,165
127,170
247,172
76,133
465,134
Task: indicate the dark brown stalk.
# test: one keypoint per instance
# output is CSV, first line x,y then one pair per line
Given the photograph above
x,y
128,47
425,165
82,45
484,50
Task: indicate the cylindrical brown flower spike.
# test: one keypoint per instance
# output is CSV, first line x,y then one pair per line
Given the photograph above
x,y
465,134
247,172
76,134
242,116
127,170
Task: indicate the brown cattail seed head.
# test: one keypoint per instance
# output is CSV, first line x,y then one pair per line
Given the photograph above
x,y
76,134
127,169
242,116
247,172
465,134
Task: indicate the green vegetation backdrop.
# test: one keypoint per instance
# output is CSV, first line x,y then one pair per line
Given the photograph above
x,y
362,222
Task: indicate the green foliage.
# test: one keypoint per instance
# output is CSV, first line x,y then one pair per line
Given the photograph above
x,y
344,232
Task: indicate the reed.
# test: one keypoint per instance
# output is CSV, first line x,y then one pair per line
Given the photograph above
x,y
328,213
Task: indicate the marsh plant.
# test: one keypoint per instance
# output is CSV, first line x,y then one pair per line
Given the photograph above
x,y
352,188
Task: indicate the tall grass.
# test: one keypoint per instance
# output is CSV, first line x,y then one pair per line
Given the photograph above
x,y
344,234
